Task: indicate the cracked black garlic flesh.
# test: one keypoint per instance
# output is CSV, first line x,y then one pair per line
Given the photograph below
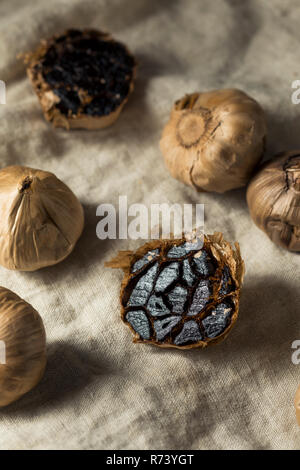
x,y
214,140
83,78
175,294
40,219
273,197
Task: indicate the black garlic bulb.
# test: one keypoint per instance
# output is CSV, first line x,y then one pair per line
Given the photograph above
x,y
273,198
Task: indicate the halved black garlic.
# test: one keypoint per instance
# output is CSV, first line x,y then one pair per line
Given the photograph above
x,y
82,78
177,295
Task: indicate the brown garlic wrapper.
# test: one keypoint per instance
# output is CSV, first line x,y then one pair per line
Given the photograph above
x,y
23,336
297,405
40,219
83,78
179,294
273,198
214,140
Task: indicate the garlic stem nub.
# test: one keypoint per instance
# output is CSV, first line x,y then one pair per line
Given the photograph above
x,y
25,184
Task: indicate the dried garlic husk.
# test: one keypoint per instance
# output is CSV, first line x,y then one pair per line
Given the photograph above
x,y
176,295
23,336
297,405
40,219
273,198
214,140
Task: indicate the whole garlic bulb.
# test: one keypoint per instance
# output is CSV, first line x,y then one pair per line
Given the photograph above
x,y
273,197
214,140
23,336
40,219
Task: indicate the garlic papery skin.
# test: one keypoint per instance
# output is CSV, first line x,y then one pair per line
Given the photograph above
x,y
214,140
40,219
273,197
23,335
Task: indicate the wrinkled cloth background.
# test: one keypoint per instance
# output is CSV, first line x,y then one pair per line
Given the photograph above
x,y
101,391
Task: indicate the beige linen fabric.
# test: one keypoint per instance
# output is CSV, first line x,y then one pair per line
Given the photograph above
x,y
101,391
